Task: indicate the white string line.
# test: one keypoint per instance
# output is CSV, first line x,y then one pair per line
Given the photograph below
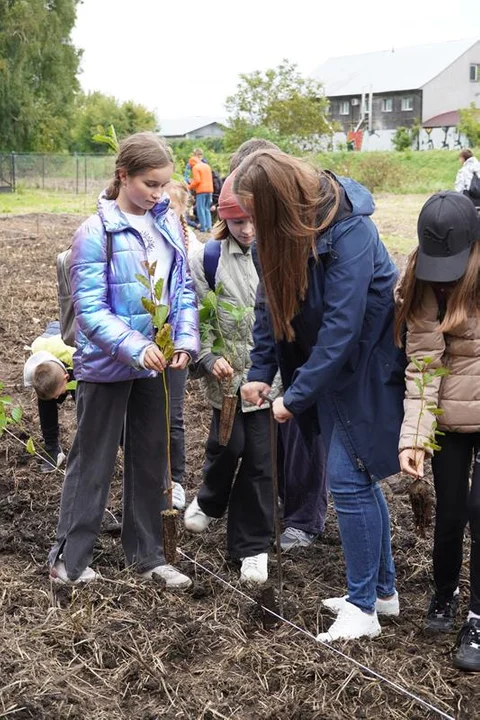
x,y
394,685
365,668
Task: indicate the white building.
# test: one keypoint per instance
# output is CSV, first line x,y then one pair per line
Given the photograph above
x,y
373,94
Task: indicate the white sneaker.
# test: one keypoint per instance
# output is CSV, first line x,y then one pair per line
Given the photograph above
x,y
178,496
383,607
174,579
352,623
195,519
58,574
254,569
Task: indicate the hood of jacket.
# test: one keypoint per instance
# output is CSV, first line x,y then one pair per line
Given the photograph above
x,y
355,201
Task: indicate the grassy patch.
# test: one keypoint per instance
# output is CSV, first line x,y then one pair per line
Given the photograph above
x,y
31,200
423,172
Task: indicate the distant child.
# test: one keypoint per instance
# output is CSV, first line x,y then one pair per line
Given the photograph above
x,y
237,476
439,300
202,185
469,167
49,370
119,367
180,200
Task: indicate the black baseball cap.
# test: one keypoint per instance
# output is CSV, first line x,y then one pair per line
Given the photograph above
x,y
448,225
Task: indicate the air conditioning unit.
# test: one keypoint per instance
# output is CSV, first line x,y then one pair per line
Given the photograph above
x,y
355,101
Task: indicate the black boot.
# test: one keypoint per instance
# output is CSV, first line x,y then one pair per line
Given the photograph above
x,y
467,646
52,458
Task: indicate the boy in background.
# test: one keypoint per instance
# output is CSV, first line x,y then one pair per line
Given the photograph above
x,y
49,371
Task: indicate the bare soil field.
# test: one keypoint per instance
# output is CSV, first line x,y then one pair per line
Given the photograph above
x,y
128,649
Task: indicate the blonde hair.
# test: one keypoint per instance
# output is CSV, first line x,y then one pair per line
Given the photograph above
x,y
139,152
290,202
180,195
46,379
462,302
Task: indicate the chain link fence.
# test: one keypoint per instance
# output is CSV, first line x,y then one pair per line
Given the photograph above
x,y
79,174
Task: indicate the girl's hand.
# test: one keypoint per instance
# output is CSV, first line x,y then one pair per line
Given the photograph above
x,y
154,359
180,360
411,462
280,412
222,369
250,392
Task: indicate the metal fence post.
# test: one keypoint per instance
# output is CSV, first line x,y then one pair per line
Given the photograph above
x,y
76,174
13,171
85,175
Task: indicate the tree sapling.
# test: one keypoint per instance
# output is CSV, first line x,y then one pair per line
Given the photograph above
x,y
419,490
163,339
210,327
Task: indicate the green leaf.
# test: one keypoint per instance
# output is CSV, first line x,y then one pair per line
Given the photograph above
x,y
219,348
419,385
427,360
30,446
152,268
435,410
6,400
72,385
149,305
210,300
427,378
205,315
158,289
145,282
228,307
17,414
441,372
417,363
161,314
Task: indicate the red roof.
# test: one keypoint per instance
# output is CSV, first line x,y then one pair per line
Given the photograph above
x,y
448,119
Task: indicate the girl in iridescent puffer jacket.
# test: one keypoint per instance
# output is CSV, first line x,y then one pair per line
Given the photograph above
x,y
119,367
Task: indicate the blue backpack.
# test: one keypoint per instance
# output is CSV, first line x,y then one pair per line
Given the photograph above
x,y
211,256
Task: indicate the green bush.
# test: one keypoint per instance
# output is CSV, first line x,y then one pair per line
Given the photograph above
x,y
402,140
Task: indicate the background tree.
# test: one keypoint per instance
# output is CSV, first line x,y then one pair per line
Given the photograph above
x,y
96,109
469,124
279,103
38,74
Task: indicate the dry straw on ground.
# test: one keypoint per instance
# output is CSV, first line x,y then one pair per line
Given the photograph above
x,y
125,648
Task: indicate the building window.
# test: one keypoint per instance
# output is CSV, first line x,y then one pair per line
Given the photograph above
x,y
344,107
387,105
407,103
474,73
366,106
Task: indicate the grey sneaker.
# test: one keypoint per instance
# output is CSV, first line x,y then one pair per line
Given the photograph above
x,y
293,538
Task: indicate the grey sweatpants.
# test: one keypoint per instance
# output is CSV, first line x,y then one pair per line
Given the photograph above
x,y
102,409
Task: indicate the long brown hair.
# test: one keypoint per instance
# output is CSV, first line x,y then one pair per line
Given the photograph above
x,y
290,202
462,302
139,152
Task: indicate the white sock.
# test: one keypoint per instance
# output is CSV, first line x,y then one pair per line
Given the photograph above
x,y
471,615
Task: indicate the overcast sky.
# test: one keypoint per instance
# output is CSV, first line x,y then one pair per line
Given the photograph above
x,y
183,57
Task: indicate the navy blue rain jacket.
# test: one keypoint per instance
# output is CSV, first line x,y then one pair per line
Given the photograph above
x,y
343,367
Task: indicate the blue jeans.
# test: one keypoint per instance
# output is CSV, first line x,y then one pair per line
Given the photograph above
x,y
364,525
204,202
